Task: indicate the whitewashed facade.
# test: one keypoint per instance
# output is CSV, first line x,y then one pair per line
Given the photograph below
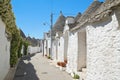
x,y
103,40
92,47
22,50
61,49
4,52
54,50
72,53
77,44
44,48
46,44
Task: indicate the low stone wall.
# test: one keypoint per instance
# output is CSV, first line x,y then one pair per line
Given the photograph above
x,y
4,52
33,49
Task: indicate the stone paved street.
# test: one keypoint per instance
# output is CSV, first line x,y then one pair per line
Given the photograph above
x,y
37,67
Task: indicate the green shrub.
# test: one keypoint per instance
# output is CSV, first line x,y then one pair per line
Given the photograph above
x,y
49,57
13,33
76,76
14,49
26,44
20,48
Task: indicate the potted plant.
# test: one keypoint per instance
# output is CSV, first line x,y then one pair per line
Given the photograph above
x,y
63,64
58,63
65,61
49,57
76,77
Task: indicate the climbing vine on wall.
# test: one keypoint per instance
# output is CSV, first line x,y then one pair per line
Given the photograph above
x,y
25,47
20,48
14,49
11,29
7,16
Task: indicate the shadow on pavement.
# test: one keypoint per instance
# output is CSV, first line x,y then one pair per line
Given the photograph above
x,y
28,57
25,70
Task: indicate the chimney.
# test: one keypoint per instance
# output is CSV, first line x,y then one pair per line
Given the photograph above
x,y
69,20
61,13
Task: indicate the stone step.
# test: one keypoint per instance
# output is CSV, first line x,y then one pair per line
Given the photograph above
x,y
84,69
82,74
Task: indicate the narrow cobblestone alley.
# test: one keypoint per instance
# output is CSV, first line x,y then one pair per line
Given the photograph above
x,y
36,67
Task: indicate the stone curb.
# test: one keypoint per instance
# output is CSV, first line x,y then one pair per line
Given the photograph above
x,y
11,73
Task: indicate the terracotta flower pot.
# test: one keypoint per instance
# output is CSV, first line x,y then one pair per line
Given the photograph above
x,y
63,64
65,61
58,63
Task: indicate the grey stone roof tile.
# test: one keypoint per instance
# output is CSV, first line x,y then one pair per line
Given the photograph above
x,y
59,25
86,15
104,10
77,17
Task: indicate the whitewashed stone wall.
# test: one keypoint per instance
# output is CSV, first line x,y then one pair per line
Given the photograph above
x,y
48,43
72,53
42,47
61,49
54,47
57,44
103,50
45,47
22,50
33,49
4,52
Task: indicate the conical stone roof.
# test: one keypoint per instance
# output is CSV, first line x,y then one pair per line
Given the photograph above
x,y
86,15
59,25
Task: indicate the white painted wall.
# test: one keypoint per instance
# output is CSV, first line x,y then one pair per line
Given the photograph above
x,y
61,49
4,52
72,53
33,49
103,50
69,20
22,50
48,43
45,47
53,50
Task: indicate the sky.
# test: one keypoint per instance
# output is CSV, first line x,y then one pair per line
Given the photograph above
x,y
32,14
